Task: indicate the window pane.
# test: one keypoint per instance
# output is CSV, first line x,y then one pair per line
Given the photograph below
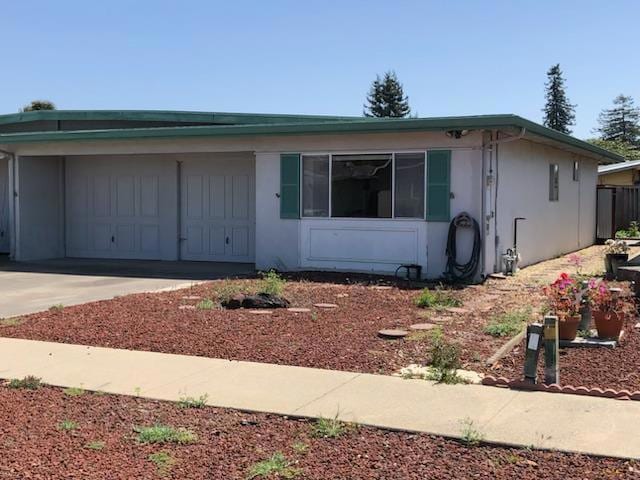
x,y
315,179
409,185
361,186
554,182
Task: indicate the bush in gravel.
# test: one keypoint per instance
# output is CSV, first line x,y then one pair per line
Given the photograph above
x,y
58,307
74,391
470,435
275,466
68,425
192,402
29,382
10,322
165,434
437,298
205,304
445,358
163,462
328,427
508,324
272,283
96,445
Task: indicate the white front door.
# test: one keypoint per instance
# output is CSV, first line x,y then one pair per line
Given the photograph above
x,y
218,208
4,206
121,207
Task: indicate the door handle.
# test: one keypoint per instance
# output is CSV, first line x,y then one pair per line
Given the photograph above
x,y
226,240
113,239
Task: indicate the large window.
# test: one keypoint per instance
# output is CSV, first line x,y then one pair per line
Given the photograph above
x,y
364,186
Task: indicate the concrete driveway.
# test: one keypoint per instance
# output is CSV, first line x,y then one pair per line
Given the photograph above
x,y
33,287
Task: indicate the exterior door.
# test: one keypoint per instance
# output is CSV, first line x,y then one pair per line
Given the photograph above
x,y
4,206
218,208
118,207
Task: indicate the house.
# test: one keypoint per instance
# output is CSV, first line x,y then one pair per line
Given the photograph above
x,y
625,174
292,192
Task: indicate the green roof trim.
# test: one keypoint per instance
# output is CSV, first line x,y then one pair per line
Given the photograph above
x,y
299,125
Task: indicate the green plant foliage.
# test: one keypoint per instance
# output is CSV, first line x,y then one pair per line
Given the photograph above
x,y
438,298
35,105
470,434
96,445
205,304
163,462
225,290
559,113
445,359
272,283
165,434
56,308
276,466
10,322
29,382
68,425
508,324
192,402
300,448
328,427
386,98
632,232
74,391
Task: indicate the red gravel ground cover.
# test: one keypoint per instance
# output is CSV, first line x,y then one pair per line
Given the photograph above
x,y
344,338
33,446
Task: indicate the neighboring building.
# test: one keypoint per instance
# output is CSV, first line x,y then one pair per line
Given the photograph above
x,y
625,174
291,192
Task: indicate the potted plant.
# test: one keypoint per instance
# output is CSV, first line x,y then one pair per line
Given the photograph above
x,y
608,312
564,298
616,253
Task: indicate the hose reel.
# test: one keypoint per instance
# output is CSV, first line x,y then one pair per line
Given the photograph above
x,y
456,271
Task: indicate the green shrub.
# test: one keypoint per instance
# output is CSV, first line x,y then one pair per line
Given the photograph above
x,y
272,283
225,290
470,435
29,383
56,308
96,445
437,298
205,304
276,466
445,358
632,232
508,324
328,427
163,462
74,391
68,425
192,402
165,434
10,322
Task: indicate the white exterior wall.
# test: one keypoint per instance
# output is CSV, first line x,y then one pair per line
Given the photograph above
x,y
40,203
551,228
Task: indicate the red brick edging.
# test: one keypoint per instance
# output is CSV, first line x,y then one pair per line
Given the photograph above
x,y
555,388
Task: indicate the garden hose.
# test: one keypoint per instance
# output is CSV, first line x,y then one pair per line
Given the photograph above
x,y
462,272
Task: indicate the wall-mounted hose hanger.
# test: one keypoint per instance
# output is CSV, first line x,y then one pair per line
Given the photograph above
x,y
456,271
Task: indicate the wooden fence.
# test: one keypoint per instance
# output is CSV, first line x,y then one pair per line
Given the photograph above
x,y
617,207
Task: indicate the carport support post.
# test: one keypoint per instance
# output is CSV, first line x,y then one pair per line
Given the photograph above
x,y
534,342
551,348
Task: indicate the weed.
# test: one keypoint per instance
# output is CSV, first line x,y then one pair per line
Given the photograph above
x,y
192,402
226,290
328,427
96,445
29,383
300,448
314,316
508,324
163,462
277,465
438,298
586,334
165,434
58,307
445,358
137,391
418,335
471,436
68,425
74,391
272,283
205,304
10,322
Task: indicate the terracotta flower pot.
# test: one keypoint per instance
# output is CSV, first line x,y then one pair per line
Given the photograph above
x,y
608,324
568,327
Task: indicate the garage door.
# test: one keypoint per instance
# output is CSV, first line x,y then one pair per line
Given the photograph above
x,y
218,208
4,206
121,207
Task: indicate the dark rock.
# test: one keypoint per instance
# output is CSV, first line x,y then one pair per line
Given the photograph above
x,y
264,300
234,302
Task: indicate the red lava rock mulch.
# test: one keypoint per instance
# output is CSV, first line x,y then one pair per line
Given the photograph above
x,y
229,442
342,338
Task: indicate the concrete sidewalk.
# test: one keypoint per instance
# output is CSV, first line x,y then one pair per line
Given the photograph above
x,y
564,422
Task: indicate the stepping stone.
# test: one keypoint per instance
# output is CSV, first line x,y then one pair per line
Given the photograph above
x,y
422,326
260,312
457,310
393,333
638,325
498,276
187,307
325,305
382,287
342,295
298,310
192,297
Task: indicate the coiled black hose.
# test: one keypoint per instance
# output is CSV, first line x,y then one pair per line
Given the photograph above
x,y
462,272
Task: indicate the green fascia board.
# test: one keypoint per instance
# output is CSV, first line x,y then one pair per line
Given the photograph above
x,y
312,126
164,116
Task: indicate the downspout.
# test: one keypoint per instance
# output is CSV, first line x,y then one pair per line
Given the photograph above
x,y
11,191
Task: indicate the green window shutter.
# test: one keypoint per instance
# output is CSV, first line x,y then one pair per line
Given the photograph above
x,y
290,185
438,185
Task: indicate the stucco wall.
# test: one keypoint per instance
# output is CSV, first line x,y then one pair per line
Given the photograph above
x,y
625,178
551,228
40,207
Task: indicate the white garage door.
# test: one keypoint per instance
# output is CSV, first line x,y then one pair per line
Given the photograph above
x,y
121,207
218,208
4,206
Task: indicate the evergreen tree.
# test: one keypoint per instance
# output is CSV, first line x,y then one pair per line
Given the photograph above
x,y
559,114
621,122
386,98
628,151
38,105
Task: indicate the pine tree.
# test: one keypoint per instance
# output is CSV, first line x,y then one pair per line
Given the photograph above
x,y
386,98
620,122
38,105
559,114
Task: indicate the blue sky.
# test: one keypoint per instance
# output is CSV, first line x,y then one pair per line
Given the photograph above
x,y
284,56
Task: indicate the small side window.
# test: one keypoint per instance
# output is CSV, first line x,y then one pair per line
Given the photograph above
x,y
576,171
554,182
